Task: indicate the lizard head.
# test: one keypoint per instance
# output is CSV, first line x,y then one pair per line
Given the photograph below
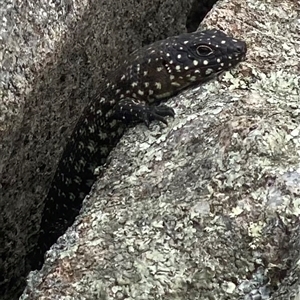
x,y
196,57
166,67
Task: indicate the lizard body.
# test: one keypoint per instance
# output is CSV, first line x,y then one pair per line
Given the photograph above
x,y
154,73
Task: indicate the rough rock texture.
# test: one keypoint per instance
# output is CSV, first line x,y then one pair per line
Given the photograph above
x,y
53,56
208,207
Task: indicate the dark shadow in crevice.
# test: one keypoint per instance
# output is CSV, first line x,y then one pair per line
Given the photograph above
x,y
199,10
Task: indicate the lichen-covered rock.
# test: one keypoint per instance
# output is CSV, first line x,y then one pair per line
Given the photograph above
x,y
208,207
53,56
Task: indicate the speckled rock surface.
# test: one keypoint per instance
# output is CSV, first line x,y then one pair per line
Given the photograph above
x,y
53,55
208,207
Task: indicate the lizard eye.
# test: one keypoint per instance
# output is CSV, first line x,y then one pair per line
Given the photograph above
x,y
203,50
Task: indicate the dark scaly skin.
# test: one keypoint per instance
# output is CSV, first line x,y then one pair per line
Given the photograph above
x,y
153,73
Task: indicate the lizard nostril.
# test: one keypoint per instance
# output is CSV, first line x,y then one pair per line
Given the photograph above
x,y
241,48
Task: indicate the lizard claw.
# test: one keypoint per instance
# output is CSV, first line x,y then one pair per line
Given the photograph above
x,y
158,113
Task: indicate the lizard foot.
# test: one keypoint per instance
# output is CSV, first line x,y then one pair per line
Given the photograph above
x,y
130,112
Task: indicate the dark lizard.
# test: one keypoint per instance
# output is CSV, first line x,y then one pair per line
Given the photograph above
x,y
153,73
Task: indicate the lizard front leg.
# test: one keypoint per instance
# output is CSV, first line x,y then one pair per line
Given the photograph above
x,y
131,111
